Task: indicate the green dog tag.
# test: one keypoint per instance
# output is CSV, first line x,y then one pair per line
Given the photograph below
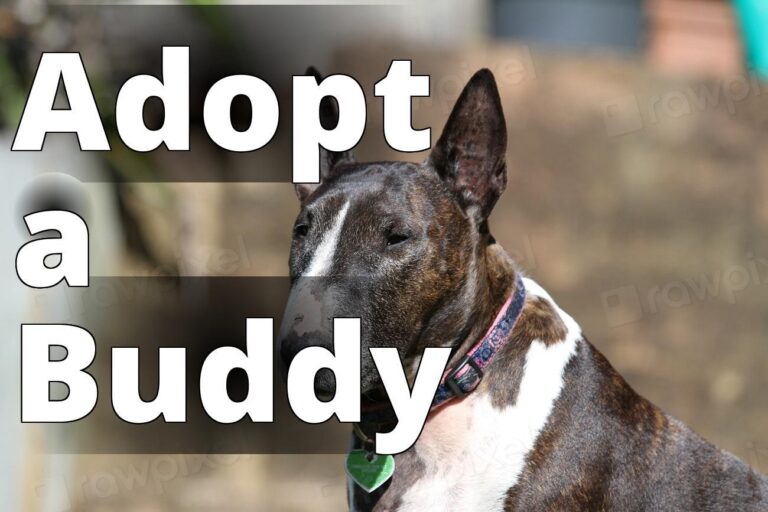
x,y
369,474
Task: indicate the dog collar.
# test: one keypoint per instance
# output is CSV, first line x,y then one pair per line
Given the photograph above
x,y
466,375
461,379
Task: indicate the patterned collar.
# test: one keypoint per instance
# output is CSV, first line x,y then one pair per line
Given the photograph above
x,y
466,375
462,378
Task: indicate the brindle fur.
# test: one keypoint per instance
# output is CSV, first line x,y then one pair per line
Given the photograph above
x,y
604,447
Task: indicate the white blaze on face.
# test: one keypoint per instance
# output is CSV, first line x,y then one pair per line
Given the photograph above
x,y
323,257
305,313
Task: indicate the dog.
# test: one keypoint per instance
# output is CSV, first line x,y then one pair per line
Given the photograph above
x,y
542,421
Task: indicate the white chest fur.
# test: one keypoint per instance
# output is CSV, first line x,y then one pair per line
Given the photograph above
x,y
475,452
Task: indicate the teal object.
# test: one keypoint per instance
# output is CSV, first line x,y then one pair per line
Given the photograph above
x,y
753,16
368,470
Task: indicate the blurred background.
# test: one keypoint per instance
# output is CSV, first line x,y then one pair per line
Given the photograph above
x,y
638,196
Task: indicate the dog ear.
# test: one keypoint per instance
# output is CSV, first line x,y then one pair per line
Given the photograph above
x,y
470,154
329,118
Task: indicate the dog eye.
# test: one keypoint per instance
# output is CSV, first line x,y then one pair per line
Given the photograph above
x,y
396,238
301,230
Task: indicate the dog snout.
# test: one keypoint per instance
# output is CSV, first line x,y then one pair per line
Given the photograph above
x,y
308,309
292,343
289,347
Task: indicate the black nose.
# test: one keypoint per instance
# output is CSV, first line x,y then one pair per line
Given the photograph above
x,y
289,347
292,343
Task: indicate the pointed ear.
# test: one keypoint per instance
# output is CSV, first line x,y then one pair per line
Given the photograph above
x,y
329,118
470,154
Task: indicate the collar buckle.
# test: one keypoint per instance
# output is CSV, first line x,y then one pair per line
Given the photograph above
x,y
453,383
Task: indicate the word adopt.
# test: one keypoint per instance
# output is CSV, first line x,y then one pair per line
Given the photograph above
x,y
82,117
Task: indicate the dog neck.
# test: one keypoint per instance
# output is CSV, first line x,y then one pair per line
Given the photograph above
x,y
506,413
490,283
495,284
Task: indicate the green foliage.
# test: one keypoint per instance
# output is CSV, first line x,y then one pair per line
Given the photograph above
x,y
12,95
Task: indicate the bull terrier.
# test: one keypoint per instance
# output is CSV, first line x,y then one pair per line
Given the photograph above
x,y
529,415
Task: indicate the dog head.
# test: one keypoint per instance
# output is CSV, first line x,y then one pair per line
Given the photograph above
x,y
399,245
